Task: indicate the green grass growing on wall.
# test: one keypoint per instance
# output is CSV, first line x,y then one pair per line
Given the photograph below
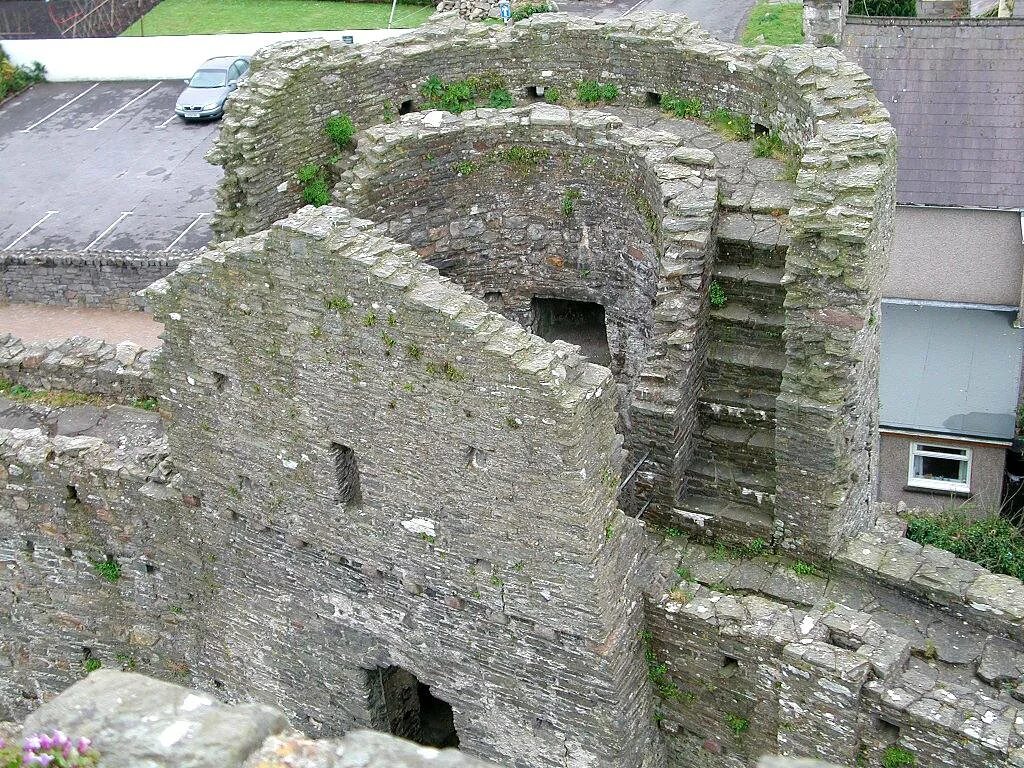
x,y
202,17
780,23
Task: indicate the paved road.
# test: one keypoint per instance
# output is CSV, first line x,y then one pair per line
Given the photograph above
x,y
36,322
722,18
103,166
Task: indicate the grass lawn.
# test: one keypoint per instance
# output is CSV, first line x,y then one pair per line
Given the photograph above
x,y
780,23
203,17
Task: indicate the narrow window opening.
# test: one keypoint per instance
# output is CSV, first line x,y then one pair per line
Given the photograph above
x,y
218,683
68,552
477,458
150,568
73,494
761,130
494,299
730,666
575,322
403,706
220,380
535,93
346,472
29,546
405,107
652,99
889,733
86,652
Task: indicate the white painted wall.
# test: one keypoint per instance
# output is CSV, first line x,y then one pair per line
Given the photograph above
x,y
154,58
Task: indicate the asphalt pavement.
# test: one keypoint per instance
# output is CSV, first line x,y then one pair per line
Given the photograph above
x,y
104,166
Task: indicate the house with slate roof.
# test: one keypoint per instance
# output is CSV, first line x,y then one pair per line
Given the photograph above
x,y
951,343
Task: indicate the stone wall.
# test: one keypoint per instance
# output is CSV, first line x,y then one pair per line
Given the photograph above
x,y
827,435
131,720
393,476
89,366
91,279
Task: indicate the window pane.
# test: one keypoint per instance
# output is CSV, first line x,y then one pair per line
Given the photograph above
x,y
932,468
941,449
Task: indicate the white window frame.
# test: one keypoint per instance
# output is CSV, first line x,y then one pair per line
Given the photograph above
x,y
935,450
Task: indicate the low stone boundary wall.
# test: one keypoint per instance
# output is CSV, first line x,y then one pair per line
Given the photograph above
x,y
978,596
132,720
91,279
90,366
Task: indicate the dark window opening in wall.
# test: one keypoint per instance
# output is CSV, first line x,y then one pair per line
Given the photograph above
x,y
493,299
577,322
73,494
346,472
761,130
220,380
653,99
68,552
535,93
730,666
405,107
401,705
29,546
889,733
150,568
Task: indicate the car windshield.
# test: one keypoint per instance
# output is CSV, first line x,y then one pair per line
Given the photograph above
x,y
208,78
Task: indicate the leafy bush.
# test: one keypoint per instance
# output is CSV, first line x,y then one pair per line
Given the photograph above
x,y
315,189
552,96
716,296
593,92
883,7
682,106
500,98
897,757
49,749
733,126
569,201
340,129
768,145
528,9
989,541
461,95
108,569
15,78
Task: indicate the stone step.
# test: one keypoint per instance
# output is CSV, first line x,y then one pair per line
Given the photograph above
x,y
750,238
730,405
741,356
755,288
721,519
757,456
739,323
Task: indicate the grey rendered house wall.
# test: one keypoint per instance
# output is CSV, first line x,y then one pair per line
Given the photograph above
x,y
955,254
988,462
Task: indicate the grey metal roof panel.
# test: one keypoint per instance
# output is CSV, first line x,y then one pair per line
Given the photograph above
x,y
955,90
949,370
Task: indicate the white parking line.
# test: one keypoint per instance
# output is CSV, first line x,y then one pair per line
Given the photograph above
x,y
185,231
107,231
165,122
29,231
122,108
59,109
633,8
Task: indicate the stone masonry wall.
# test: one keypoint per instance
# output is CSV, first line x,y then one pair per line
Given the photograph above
x,y
91,279
824,21
90,366
826,435
132,720
391,475
637,241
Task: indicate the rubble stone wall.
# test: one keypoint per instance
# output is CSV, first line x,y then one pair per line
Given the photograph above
x,y
824,21
89,366
484,553
90,279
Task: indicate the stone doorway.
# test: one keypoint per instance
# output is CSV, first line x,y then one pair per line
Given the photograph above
x,y
403,706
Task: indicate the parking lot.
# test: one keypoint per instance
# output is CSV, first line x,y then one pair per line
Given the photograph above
x,y
104,166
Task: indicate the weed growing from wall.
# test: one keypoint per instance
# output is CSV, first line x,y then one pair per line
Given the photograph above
x,y
458,96
716,296
315,189
91,665
738,725
898,757
593,92
569,201
682,106
731,125
527,10
552,95
340,130
108,569
500,98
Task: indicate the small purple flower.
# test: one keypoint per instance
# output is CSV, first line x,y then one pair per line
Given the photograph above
x,y
45,760
60,739
83,744
45,742
33,743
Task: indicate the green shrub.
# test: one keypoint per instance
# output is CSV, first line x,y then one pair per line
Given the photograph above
x,y
340,129
91,664
552,95
525,159
529,9
500,98
461,95
593,92
108,569
883,7
989,541
768,145
308,172
315,189
897,757
716,296
15,78
738,725
732,126
569,201
682,106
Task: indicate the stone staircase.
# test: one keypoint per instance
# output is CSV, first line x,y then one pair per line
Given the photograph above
x,y
731,480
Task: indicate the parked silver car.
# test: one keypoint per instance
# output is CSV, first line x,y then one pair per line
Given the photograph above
x,y
209,87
